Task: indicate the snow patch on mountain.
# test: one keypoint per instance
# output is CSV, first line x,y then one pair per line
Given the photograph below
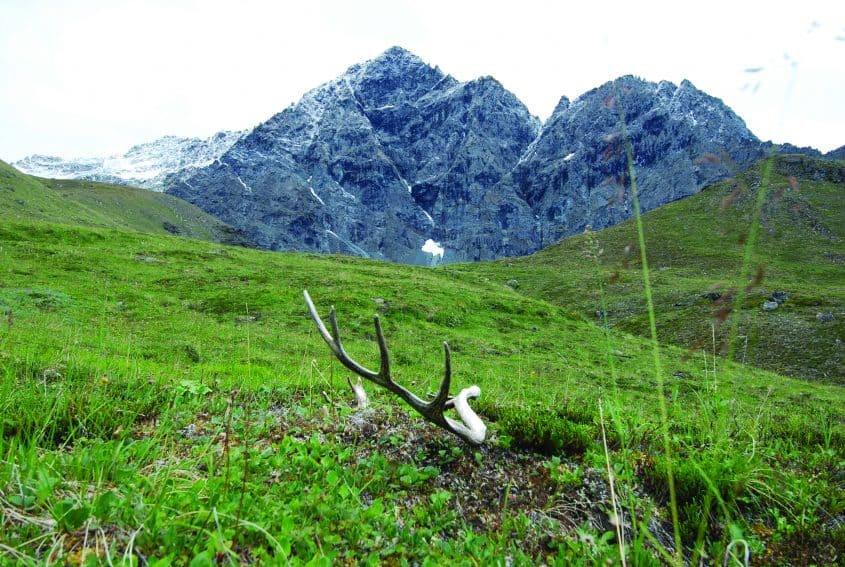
x,y
314,193
145,165
433,248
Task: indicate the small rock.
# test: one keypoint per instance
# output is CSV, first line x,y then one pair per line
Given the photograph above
x,y
171,228
382,304
513,283
251,318
825,317
189,431
770,305
145,258
362,421
712,296
780,296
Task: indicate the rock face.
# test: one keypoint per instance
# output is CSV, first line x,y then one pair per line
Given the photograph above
x,y
576,173
389,155
145,165
394,153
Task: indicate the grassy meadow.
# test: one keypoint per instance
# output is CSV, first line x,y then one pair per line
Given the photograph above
x,y
87,203
696,249
168,401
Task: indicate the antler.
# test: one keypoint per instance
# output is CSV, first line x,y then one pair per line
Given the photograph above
x,y
470,428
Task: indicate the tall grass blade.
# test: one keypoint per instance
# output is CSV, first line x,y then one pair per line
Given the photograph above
x,y
655,345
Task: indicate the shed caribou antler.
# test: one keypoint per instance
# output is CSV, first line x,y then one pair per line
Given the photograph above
x,y
470,428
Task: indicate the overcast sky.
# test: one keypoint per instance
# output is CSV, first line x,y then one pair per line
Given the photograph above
x,y
93,77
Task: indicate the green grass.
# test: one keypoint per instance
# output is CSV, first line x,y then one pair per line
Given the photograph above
x,y
89,203
168,401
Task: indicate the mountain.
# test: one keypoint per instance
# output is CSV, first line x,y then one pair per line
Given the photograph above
x,y
145,165
394,153
576,173
389,155
396,160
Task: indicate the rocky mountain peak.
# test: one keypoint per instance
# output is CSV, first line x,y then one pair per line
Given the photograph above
x,y
562,105
397,76
388,156
576,173
395,57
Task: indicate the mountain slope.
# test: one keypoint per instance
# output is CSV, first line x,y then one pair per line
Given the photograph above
x,y
25,198
695,249
838,153
146,165
375,163
575,174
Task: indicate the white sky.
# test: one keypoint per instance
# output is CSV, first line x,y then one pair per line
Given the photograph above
x,y
93,77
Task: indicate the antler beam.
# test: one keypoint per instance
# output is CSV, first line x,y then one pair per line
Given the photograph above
x,y
471,429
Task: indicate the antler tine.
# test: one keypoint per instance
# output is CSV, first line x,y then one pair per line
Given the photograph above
x,y
472,429
338,349
439,400
335,343
384,366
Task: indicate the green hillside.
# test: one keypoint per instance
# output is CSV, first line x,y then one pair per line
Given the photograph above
x,y
89,203
168,401
696,250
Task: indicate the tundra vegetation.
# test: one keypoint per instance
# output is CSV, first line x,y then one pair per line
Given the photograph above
x,y
169,401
